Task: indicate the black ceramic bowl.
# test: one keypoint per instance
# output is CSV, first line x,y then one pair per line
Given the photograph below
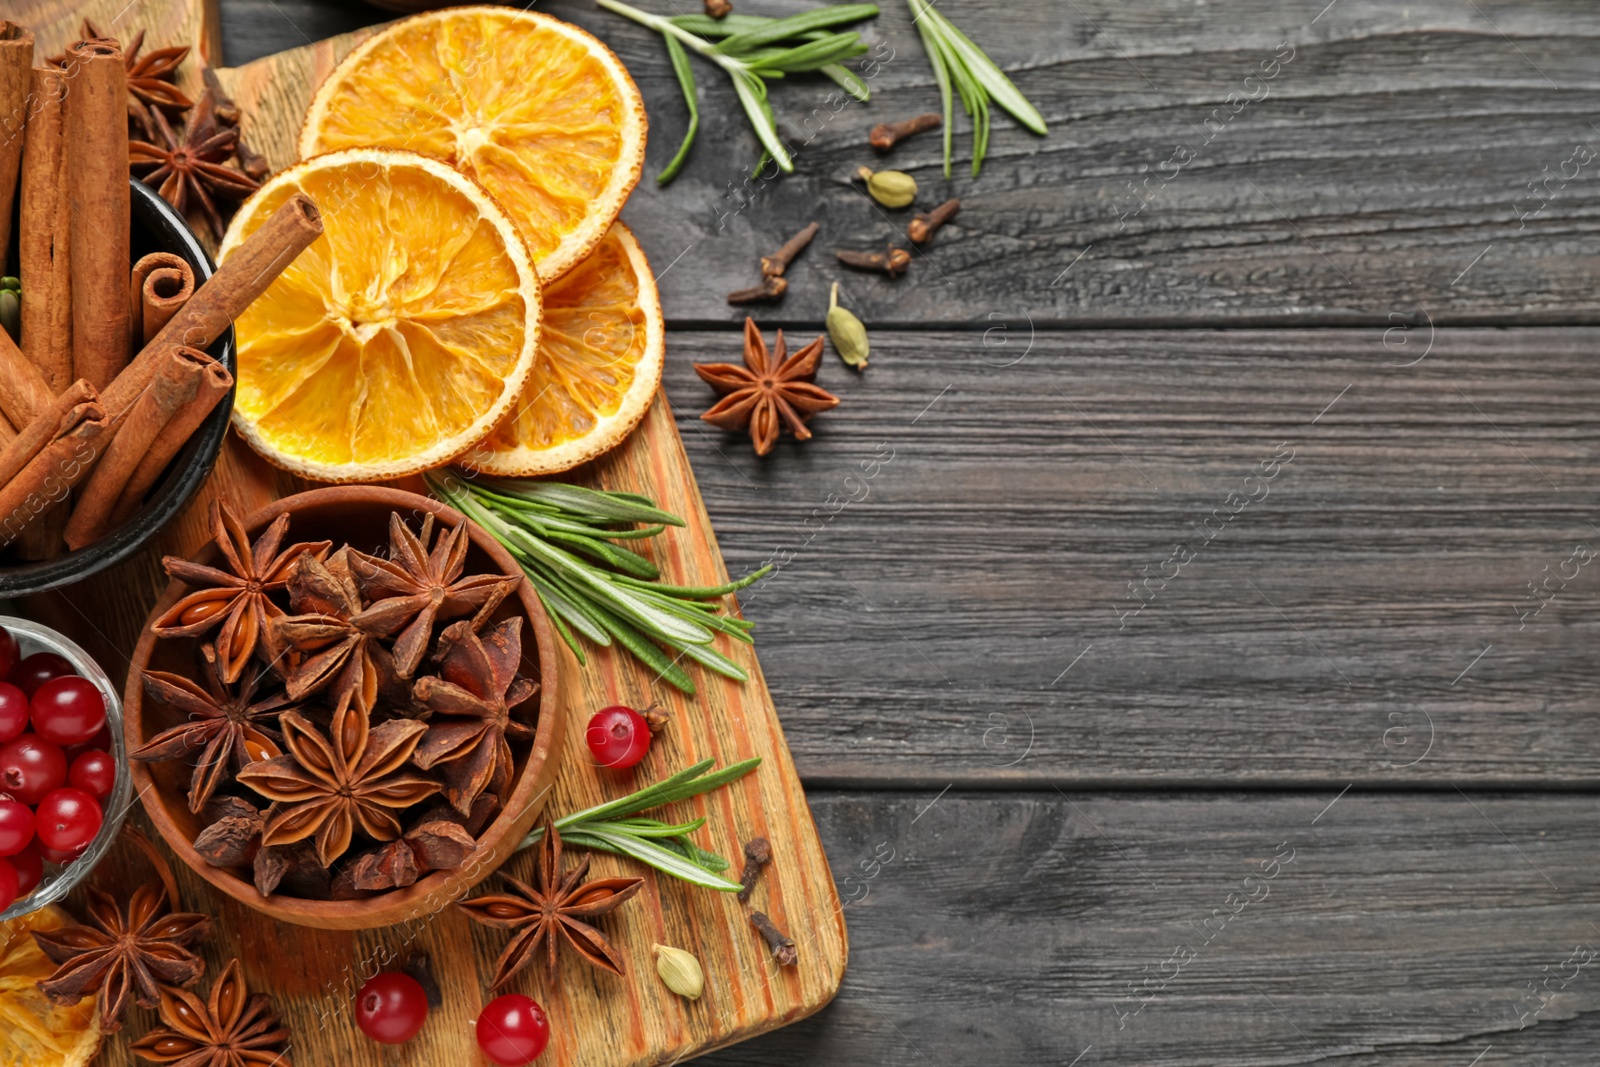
x,y
156,228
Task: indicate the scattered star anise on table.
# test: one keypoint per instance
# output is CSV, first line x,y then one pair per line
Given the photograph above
x,y
234,594
326,785
558,910
120,955
190,170
418,586
231,1028
337,654
769,392
226,726
472,697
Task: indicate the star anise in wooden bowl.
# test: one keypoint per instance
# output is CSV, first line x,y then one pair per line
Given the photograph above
x,y
401,698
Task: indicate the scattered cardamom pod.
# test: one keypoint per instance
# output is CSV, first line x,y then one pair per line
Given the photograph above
x,y
680,971
11,307
891,188
848,334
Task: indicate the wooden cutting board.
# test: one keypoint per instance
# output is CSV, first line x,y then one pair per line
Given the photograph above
x,y
597,1020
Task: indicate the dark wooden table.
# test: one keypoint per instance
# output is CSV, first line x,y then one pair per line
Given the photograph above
x,y
1210,675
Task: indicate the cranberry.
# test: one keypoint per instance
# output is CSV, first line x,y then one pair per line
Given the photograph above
x,y
9,653
30,869
13,711
391,1007
16,827
94,772
61,856
9,883
618,737
39,668
30,767
68,711
512,1030
67,820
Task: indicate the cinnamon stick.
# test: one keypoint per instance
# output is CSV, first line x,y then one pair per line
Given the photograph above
x,y
242,277
24,394
213,386
49,476
42,240
175,385
50,424
16,59
97,183
161,284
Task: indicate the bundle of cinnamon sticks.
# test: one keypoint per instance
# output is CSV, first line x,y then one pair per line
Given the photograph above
x,y
111,378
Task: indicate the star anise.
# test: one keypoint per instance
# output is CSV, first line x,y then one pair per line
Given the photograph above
x,y
558,910
119,955
474,693
232,1028
226,726
768,392
328,785
191,166
417,587
338,655
149,76
236,596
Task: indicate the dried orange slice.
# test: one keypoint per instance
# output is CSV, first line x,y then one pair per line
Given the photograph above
x,y
541,113
598,367
33,1031
401,336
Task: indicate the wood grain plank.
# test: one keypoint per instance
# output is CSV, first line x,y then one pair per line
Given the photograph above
x,y
1385,168
1007,928
926,623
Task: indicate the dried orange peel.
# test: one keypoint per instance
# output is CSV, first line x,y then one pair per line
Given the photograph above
x,y
33,1031
399,338
597,369
541,113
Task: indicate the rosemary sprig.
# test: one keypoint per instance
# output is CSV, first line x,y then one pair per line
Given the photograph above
x,y
562,536
614,827
753,50
963,66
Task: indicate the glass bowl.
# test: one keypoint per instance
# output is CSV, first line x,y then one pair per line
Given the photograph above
x,y
58,881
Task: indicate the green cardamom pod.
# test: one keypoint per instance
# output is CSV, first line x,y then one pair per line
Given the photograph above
x,y
11,313
680,971
849,335
891,188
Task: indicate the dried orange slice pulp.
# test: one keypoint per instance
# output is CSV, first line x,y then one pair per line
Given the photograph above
x,y
598,366
399,337
33,1031
538,111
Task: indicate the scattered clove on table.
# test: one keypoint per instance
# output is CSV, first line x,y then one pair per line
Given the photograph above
x,y
885,135
774,265
771,288
718,8
782,944
893,261
927,222
757,854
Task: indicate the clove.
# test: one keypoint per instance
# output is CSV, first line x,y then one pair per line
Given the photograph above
x,y
770,289
885,135
774,265
757,854
225,111
718,8
923,226
418,966
782,945
892,262
656,717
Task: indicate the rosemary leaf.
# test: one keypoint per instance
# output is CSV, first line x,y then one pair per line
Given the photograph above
x,y
795,25
680,66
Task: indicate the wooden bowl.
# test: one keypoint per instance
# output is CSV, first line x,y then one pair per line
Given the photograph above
x,y
358,515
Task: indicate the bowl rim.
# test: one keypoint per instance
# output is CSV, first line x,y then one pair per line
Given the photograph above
x,y
522,805
171,496
114,807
